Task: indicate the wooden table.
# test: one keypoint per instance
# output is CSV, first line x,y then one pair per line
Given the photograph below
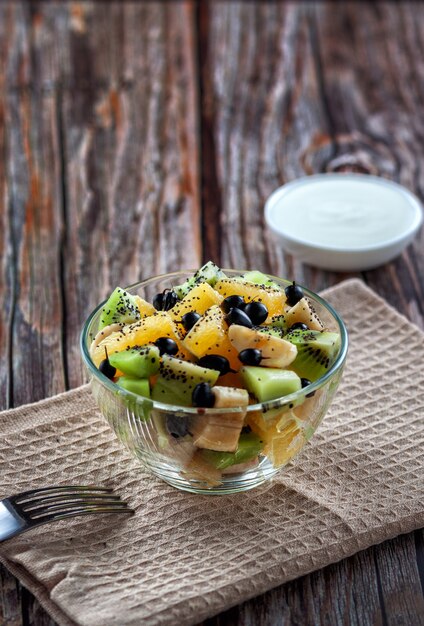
x,y
139,137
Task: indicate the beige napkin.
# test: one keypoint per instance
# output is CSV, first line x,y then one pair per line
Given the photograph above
x,y
183,557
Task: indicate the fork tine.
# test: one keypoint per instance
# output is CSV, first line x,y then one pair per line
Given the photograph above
x,y
73,512
60,504
29,509
71,489
30,505
58,509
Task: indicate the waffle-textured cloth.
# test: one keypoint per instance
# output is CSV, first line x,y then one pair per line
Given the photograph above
x,y
185,557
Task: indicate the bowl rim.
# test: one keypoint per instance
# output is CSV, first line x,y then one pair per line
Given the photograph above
x,y
260,406
386,245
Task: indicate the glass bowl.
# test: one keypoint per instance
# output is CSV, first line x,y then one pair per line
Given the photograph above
x,y
141,424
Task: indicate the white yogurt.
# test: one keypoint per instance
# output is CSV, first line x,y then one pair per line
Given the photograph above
x,y
348,213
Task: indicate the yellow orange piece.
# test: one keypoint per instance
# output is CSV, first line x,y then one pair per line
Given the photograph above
x,y
285,445
144,331
232,379
209,336
273,299
283,437
198,299
144,307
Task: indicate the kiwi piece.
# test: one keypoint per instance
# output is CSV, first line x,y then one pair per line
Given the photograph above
x,y
277,323
249,446
208,273
138,361
258,278
139,386
316,351
178,378
269,383
271,330
121,307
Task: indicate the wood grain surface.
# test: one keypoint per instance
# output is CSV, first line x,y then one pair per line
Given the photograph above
x,y
140,137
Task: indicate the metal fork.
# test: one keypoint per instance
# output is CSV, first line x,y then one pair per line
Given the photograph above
x,y
26,510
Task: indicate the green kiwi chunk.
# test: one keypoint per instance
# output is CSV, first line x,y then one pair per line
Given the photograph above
x,y
269,383
276,325
316,352
138,361
208,273
178,378
258,278
121,307
249,446
139,386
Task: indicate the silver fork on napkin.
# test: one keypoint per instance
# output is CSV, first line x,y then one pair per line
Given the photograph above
x,y
26,510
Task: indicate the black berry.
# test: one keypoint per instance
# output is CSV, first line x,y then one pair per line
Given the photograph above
x,y
293,294
189,319
256,311
232,302
215,362
170,299
158,301
107,369
166,345
203,395
299,326
176,426
305,382
237,316
165,300
250,356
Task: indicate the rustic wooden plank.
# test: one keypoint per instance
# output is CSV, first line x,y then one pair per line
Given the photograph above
x,y
6,283
132,201
33,613
262,112
10,599
401,589
373,88
14,44
34,204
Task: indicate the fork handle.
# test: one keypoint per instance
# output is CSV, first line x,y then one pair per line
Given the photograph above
x,y
9,524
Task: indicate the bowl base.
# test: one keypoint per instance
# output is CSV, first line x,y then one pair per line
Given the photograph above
x,y
231,483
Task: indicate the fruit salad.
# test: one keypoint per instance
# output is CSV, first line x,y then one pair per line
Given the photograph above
x,y
229,348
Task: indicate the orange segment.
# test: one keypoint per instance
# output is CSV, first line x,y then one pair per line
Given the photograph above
x,y
144,307
285,445
283,437
232,379
144,331
273,299
199,299
209,336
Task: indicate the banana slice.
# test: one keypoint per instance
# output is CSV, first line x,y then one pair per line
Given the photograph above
x,y
304,312
221,432
276,352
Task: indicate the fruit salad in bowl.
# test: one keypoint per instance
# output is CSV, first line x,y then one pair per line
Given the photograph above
x,y
215,379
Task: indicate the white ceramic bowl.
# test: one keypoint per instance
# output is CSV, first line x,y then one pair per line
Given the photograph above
x,y
344,222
